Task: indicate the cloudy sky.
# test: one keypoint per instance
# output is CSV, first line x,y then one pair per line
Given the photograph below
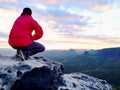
x,y
76,24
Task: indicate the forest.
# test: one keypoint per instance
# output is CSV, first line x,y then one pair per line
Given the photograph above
x,y
103,64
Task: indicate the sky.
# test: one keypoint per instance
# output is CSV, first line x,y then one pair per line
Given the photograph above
x,y
67,24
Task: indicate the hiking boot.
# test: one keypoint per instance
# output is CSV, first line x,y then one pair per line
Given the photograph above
x,y
21,55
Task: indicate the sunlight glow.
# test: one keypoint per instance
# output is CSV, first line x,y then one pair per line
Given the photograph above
x,y
82,25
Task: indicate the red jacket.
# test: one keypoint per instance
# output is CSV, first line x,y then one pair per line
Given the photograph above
x,y
21,32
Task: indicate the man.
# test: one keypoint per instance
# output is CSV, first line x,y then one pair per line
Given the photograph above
x,y
21,37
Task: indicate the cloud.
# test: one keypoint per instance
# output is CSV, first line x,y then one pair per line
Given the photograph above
x,y
61,13
8,1
97,5
57,5
8,4
91,20
3,35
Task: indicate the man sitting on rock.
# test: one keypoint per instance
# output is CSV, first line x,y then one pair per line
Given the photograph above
x,y
21,37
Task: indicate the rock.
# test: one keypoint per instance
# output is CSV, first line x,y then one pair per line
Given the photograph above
x,y
36,79
39,73
80,81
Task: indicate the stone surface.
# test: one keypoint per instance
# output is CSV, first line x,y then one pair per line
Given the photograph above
x,y
39,73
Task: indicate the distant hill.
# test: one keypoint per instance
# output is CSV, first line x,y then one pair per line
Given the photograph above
x,y
109,52
60,55
103,63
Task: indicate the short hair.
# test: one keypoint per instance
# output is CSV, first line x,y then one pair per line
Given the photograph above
x,y
26,11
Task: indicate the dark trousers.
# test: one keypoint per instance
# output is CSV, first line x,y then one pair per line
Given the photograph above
x,y
32,49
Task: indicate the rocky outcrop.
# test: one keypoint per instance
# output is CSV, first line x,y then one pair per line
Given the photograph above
x,y
43,74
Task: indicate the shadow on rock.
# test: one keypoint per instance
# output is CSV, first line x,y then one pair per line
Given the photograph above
x,y
36,79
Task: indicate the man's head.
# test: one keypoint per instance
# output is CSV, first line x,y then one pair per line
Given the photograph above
x,y
27,11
